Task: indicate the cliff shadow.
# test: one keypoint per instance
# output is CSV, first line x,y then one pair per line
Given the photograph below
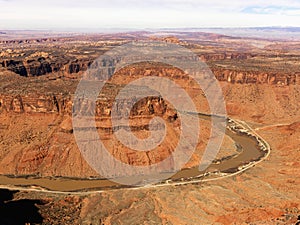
x,y
17,212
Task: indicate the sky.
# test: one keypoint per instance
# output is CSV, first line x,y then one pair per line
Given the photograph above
x,y
145,14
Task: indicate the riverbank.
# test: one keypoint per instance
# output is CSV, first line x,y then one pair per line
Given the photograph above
x,y
255,150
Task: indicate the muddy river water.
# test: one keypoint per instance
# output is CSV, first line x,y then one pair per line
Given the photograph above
x,y
249,152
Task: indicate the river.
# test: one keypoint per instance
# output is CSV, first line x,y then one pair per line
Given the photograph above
x,y
249,152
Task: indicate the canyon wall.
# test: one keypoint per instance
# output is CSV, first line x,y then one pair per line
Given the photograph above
x,y
36,134
254,77
36,126
42,66
65,66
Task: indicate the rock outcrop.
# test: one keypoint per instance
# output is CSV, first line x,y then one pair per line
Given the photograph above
x,y
255,77
43,66
223,56
74,67
35,103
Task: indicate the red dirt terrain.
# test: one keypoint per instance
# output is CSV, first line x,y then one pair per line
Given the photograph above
x,y
260,80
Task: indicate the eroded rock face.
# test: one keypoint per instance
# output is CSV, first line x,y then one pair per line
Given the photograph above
x,y
15,66
35,103
63,105
42,66
36,138
222,56
44,141
68,67
56,154
248,77
36,130
224,75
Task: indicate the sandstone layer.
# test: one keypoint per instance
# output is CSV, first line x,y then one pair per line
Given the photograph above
x,y
260,81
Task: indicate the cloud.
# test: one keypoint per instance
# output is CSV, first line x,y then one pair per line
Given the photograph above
x,y
147,13
272,10
165,4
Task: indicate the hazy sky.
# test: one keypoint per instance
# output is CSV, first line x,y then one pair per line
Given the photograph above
x,y
97,14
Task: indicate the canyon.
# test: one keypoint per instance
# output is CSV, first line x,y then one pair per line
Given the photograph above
x,y
38,79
